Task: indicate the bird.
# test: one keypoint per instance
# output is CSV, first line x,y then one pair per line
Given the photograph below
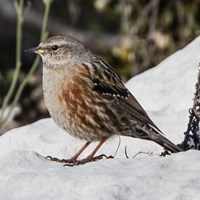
x,y
88,99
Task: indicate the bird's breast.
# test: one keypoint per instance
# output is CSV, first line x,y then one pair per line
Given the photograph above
x,y
52,82
74,106
82,115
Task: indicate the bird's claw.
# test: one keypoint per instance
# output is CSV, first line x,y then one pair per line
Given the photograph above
x,y
58,160
74,162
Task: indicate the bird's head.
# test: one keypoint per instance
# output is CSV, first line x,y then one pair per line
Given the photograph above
x,y
61,51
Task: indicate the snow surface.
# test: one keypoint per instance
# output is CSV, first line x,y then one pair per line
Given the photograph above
x,y
166,92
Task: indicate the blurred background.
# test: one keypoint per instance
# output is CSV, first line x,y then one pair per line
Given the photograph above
x,y
132,35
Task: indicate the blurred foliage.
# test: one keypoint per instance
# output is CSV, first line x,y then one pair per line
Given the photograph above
x,y
147,32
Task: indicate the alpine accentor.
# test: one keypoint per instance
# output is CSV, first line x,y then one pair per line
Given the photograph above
x,y
88,99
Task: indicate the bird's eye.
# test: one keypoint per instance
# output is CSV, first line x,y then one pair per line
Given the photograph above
x,y
54,47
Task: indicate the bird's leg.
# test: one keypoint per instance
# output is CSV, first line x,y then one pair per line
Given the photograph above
x,y
80,151
98,146
91,156
74,158
73,161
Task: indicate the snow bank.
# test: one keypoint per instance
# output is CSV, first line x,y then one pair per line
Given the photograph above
x,y
166,92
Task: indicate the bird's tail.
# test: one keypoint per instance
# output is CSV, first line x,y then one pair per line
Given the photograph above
x,y
157,136
168,145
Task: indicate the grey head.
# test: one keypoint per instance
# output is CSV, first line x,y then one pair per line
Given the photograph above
x,y
59,51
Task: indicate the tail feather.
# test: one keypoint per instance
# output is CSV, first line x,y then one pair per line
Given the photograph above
x,y
168,145
163,141
158,137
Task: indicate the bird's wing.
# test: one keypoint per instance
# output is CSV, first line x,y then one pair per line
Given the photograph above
x,y
113,89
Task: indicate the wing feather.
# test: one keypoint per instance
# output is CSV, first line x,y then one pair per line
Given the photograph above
x,y
113,89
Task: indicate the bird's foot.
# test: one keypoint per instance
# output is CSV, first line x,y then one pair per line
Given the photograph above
x,y
74,162
87,160
58,160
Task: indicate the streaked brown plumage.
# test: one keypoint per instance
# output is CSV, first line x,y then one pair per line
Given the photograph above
x,y
88,99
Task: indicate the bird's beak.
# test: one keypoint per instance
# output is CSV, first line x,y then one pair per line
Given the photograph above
x,y
36,50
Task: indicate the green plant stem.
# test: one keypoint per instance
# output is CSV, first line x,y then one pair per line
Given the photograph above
x,y
44,35
19,9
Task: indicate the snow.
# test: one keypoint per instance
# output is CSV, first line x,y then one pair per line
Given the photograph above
x,y
166,92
